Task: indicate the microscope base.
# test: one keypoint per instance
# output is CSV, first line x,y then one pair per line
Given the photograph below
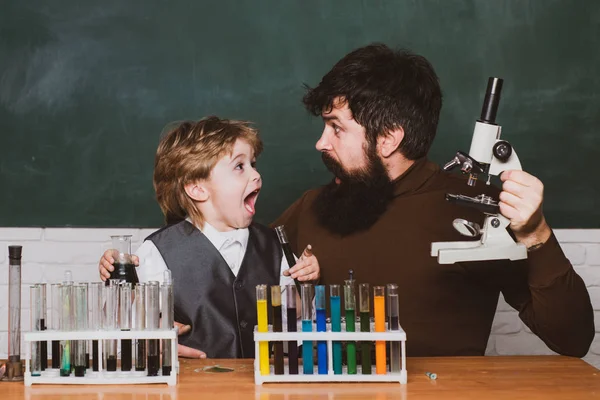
x,y
452,252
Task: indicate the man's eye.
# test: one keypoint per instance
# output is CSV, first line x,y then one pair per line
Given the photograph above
x,y
336,128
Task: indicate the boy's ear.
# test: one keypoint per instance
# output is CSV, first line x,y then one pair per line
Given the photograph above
x,y
197,191
387,144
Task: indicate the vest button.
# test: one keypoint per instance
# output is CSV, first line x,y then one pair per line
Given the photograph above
x,y
243,324
239,285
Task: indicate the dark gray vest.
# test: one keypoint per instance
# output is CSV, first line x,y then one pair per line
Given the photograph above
x,y
220,307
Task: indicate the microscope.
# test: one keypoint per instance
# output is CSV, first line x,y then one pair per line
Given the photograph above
x,y
490,156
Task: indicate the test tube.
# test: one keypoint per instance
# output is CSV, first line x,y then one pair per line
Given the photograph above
x,y
56,314
365,326
263,326
321,306
88,343
96,320
307,345
277,327
111,299
125,324
14,368
394,325
35,293
44,326
139,324
167,320
287,252
292,321
80,297
336,326
66,324
379,311
350,313
153,323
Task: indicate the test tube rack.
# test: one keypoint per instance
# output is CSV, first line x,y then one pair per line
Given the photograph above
x,y
329,337
101,377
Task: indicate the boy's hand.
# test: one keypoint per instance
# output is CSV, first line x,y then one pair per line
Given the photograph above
x,y
185,351
105,267
306,268
189,352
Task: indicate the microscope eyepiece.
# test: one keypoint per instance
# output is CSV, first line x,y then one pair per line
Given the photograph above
x,y
491,100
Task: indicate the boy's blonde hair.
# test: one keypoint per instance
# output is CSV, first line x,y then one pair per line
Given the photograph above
x,y
188,153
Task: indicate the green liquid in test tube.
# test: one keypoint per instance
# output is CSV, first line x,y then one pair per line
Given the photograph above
x,y
350,313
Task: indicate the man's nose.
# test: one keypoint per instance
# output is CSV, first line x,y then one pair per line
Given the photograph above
x,y
323,143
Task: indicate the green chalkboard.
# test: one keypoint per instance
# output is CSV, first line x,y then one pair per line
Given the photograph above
x,y
86,88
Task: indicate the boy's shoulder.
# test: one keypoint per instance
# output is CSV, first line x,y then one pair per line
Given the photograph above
x,y
182,227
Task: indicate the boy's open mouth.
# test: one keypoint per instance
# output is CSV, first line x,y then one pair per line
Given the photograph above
x,y
250,201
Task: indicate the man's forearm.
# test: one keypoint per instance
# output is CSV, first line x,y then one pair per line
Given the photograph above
x,y
560,311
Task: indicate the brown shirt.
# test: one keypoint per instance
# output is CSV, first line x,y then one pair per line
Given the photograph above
x,y
448,310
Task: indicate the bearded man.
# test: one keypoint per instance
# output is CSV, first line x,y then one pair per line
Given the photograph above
x,y
386,205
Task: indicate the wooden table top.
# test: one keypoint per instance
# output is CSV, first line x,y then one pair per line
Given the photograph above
x,y
514,377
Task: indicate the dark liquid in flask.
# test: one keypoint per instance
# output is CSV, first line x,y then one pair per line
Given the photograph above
x,y
124,273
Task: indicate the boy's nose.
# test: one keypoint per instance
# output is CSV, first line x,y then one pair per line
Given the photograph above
x,y
256,176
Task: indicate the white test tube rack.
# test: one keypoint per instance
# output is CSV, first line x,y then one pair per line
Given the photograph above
x,y
329,337
101,377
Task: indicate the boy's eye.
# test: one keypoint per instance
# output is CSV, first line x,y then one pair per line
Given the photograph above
x,y
239,166
253,164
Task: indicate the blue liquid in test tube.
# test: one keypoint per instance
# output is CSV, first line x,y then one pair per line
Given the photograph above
x,y
307,345
320,303
336,326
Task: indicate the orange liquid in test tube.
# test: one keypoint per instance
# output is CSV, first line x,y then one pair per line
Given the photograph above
x,y
379,311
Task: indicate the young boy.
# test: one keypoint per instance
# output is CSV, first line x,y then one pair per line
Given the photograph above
x,y
207,184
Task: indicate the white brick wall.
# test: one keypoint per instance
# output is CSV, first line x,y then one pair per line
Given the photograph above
x,y
48,253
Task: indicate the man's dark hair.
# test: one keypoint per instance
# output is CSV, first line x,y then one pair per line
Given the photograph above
x,y
384,89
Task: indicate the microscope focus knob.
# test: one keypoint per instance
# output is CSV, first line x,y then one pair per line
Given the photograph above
x,y
502,150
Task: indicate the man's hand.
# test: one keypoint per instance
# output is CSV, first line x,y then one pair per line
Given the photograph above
x,y
521,202
185,351
105,266
306,268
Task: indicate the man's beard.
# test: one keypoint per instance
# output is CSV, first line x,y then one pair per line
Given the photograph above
x,y
360,198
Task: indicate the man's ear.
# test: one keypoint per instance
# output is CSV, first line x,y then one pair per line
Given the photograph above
x,y
390,142
197,191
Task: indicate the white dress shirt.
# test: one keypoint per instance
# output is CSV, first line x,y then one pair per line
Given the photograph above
x,y
231,244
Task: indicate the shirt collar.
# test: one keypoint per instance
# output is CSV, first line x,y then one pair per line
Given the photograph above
x,y
222,239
